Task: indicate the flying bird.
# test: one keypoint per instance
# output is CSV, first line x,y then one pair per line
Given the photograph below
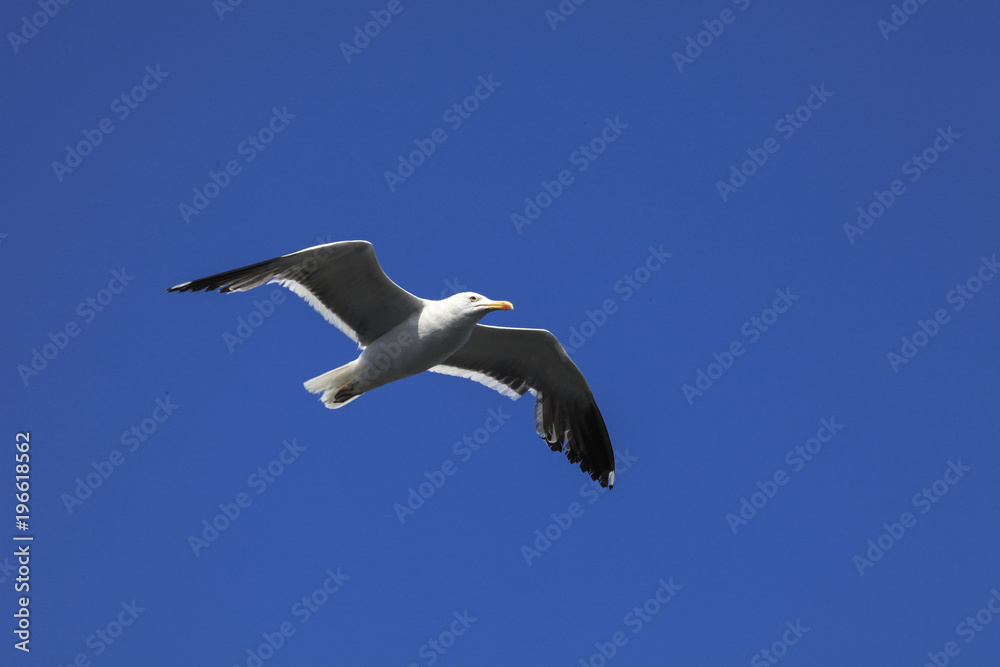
x,y
401,335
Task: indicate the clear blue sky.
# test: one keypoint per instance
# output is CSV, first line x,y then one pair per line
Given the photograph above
x,y
803,395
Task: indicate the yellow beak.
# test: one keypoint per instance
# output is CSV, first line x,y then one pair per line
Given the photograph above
x,y
496,305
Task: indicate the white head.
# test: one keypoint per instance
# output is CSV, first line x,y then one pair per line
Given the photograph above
x,y
474,306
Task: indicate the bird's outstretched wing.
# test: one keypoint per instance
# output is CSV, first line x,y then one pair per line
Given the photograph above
x,y
515,361
342,280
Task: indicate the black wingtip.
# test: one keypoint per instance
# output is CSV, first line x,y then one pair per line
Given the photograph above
x,y
600,459
589,445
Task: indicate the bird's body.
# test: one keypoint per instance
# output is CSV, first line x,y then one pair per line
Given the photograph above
x,y
402,335
417,344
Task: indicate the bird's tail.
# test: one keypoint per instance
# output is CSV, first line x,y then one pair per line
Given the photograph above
x,y
336,386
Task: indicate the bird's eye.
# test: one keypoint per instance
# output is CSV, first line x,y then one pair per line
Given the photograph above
x,y
472,298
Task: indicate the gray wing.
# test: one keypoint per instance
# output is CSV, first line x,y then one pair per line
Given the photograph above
x,y
342,280
515,361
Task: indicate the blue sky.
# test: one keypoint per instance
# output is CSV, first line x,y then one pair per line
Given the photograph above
x,y
768,233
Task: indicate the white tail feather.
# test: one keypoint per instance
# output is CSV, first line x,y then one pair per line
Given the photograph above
x,y
329,384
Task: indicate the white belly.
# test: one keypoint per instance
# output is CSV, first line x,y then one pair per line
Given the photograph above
x,y
407,350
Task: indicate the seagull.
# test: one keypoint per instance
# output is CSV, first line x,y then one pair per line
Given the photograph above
x,y
401,335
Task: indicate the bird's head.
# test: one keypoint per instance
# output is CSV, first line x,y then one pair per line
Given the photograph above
x,y
475,305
